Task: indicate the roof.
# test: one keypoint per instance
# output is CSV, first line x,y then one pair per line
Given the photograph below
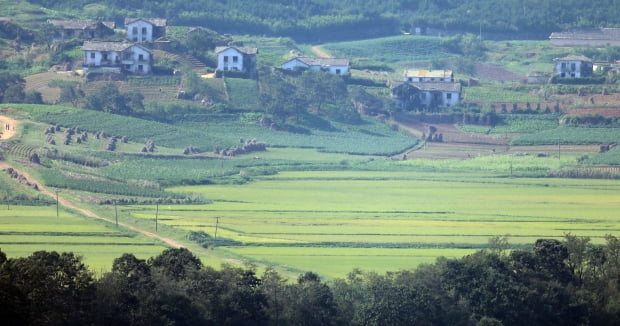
x,y
323,62
158,22
432,87
573,57
109,46
588,34
244,50
81,24
428,73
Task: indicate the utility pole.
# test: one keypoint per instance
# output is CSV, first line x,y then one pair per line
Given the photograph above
x,y
57,202
217,222
156,214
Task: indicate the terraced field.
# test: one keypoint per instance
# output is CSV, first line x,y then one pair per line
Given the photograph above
x,y
40,82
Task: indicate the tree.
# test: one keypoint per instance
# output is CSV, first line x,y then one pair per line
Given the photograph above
x,y
408,95
71,93
176,263
58,287
33,97
7,80
14,94
109,99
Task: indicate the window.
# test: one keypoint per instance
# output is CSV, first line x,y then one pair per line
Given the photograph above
x,y
134,30
226,58
92,55
235,59
141,57
572,66
127,67
337,71
449,96
140,68
144,30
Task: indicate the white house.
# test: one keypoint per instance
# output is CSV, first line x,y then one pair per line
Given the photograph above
x,y
336,66
116,57
236,58
573,66
145,29
432,94
432,76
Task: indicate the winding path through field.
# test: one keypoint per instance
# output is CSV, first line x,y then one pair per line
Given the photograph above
x,y
6,134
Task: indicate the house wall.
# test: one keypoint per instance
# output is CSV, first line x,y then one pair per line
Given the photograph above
x,y
428,79
573,68
584,43
101,58
338,70
140,31
226,60
137,60
437,98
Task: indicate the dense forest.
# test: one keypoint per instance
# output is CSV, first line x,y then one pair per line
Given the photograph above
x,y
569,282
320,20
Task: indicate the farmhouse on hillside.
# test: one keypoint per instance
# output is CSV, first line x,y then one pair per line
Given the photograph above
x,y
431,94
236,58
334,66
424,76
145,29
598,37
116,57
81,29
573,66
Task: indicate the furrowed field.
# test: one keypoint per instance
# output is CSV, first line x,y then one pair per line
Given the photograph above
x,y
332,222
26,229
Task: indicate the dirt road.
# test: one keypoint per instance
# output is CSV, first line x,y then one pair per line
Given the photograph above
x,y
9,127
320,52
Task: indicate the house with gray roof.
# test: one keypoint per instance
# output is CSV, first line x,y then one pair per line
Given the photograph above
x,y
116,57
336,66
596,37
81,29
145,29
573,66
432,94
236,58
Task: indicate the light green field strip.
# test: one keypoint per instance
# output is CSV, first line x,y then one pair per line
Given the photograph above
x,y
26,229
337,262
333,221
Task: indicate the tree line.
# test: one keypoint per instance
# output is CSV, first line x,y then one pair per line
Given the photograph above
x,y
568,282
318,20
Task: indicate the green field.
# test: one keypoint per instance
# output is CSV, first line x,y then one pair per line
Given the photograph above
x,y
332,222
26,229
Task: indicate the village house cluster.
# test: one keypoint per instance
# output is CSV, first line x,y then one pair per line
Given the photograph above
x,y
435,88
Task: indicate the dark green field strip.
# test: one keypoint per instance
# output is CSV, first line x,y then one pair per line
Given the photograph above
x,y
133,244
393,245
73,234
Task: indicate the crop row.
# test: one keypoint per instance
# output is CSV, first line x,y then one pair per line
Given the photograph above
x,y
570,135
55,178
391,49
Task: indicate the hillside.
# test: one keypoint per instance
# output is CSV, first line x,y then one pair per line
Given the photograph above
x,y
323,20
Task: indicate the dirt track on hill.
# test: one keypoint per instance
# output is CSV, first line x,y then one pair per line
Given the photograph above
x,y
320,52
